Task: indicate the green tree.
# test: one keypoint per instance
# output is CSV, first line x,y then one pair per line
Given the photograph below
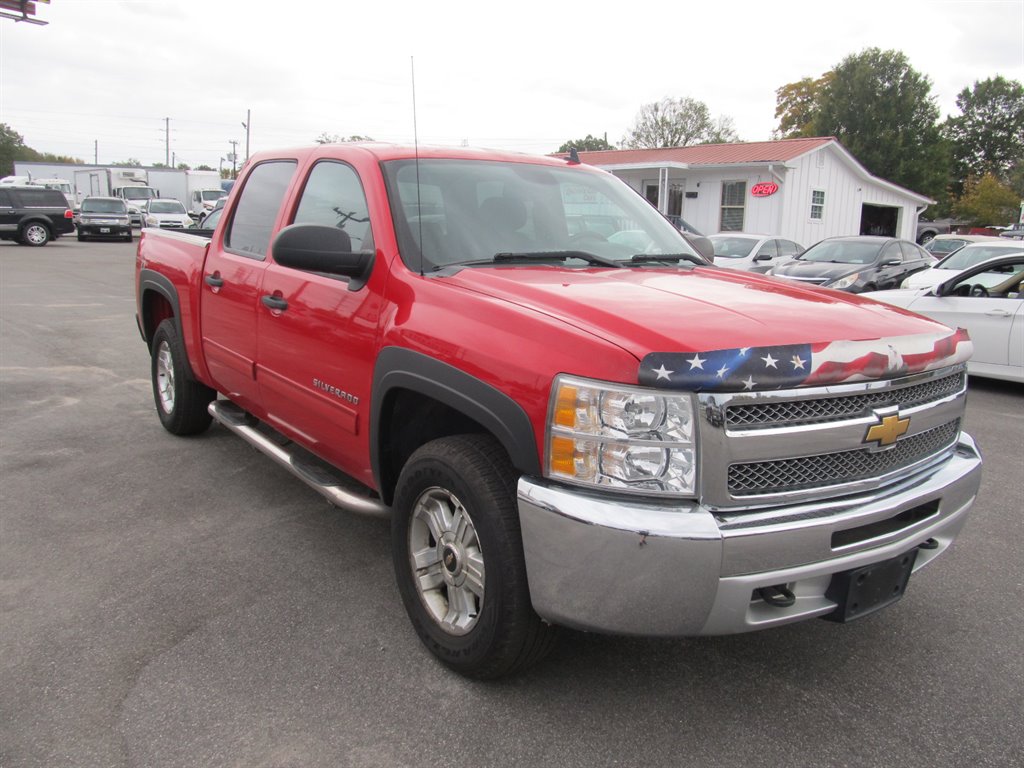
x,y
987,201
796,106
676,123
12,147
183,167
131,162
988,135
589,144
205,168
882,111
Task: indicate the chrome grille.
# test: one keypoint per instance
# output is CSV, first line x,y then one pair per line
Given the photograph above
x,y
830,469
761,415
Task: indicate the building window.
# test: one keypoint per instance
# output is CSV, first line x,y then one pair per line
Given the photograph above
x,y
817,204
734,195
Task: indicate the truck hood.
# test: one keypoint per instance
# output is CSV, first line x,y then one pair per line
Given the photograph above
x,y
664,316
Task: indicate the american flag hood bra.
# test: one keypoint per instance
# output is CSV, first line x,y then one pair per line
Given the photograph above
x,y
751,369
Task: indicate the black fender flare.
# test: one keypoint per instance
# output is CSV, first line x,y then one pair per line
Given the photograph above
x,y
151,280
503,417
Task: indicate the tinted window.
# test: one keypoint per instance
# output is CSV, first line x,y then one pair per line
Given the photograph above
x,y
768,249
39,198
333,197
5,199
842,252
257,208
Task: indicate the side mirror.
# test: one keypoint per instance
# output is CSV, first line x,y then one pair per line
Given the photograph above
x,y
701,245
327,250
763,257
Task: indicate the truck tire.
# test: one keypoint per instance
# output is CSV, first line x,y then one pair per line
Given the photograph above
x,y
35,234
458,558
181,401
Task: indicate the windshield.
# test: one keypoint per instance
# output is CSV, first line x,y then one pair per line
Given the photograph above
x,y
166,206
212,194
471,210
104,206
732,247
138,193
970,255
842,252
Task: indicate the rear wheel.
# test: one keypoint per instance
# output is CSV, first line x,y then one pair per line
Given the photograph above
x,y
35,234
181,401
458,558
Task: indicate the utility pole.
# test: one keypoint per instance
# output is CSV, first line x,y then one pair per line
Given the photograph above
x,y
246,124
167,140
96,152
174,159
234,157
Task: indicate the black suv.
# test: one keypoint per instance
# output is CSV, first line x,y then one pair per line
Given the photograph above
x,y
33,215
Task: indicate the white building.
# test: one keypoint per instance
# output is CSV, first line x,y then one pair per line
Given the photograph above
x,y
801,189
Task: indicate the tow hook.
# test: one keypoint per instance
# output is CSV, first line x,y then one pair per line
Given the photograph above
x,y
930,544
777,595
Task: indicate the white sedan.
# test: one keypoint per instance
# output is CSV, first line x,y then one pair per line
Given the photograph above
x,y
953,264
986,299
752,253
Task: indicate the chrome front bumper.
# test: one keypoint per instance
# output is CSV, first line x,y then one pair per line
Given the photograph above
x,y
624,566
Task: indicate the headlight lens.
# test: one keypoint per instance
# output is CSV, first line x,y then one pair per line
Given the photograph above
x,y
845,282
626,438
905,284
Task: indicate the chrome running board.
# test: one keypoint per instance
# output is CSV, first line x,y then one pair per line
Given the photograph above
x,y
338,488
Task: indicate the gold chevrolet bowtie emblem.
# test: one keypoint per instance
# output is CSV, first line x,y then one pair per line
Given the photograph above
x,y
889,431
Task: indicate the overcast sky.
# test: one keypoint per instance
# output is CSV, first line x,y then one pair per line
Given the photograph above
x,y
517,75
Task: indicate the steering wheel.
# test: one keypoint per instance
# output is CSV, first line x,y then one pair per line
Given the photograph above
x,y
979,290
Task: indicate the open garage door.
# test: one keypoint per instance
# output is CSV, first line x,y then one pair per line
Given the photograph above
x,y
879,220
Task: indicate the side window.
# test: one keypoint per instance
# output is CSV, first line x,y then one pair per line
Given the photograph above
x,y
5,199
253,221
892,251
333,197
788,248
769,249
912,252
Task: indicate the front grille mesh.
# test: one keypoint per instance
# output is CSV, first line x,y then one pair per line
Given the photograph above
x,y
761,415
810,472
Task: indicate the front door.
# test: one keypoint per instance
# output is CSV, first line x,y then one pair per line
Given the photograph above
x,y
232,279
316,348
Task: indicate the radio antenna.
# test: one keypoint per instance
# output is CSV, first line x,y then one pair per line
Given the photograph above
x,y
416,149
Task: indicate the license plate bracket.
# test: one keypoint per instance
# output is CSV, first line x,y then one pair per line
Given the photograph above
x,y
862,591
104,230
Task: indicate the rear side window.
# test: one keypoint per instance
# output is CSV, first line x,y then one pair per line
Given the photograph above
x,y
912,252
334,197
257,208
5,199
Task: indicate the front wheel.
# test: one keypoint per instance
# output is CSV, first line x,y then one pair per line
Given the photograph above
x,y
35,235
181,401
458,558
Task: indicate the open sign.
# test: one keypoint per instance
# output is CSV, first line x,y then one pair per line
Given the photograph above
x,y
764,189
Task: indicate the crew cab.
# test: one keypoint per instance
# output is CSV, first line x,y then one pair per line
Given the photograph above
x,y
566,426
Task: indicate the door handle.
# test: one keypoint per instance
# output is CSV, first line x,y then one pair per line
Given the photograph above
x,y
214,280
274,302
998,313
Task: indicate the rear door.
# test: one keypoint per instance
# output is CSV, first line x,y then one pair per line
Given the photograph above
x,y
317,339
232,277
8,219
890,276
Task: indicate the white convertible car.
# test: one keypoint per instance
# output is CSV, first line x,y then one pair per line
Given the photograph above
x,y
986,299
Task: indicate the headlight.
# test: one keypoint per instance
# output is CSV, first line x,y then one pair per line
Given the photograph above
x,y
844,282
906,283
626,438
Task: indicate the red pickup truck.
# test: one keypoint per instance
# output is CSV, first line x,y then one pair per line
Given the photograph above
x,y
569,416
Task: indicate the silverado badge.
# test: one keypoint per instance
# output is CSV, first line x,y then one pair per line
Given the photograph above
x,y
888,431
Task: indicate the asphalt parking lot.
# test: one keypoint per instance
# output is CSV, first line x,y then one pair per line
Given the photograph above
x,y
184,602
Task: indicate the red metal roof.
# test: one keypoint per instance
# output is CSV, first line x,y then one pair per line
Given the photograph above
x,y
710,154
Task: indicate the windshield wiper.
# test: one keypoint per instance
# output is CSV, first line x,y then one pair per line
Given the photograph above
x,y
649,258
590,258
